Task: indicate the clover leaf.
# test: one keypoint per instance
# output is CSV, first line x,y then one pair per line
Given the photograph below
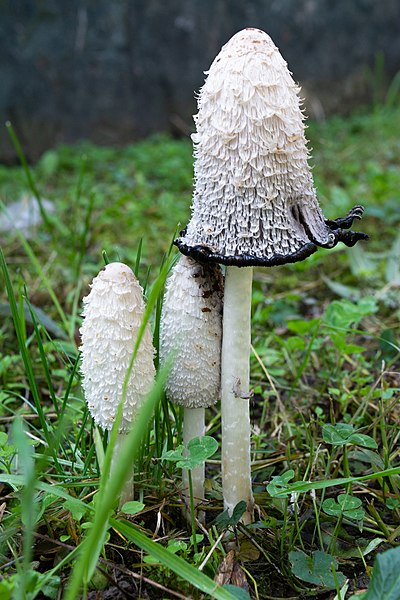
x,y
342,434
198,450
346,506
316,568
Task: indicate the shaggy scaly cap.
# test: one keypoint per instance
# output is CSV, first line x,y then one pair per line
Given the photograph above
x,y
254,201
191,329
112,314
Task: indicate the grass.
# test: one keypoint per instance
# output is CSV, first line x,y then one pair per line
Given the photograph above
x,y
325,375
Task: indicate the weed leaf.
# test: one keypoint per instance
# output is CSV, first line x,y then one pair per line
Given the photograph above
x,y
316,568
132,508
279,482
76,509
7,585
173,455
343,313
385,581
198,450
342,434
224,520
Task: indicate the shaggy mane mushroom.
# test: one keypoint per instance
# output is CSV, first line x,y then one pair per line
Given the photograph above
x,y
191,331
113,313
254,204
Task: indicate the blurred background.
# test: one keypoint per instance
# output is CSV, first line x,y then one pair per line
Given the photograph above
x,y
114,72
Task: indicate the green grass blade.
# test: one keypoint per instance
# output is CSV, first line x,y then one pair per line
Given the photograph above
x,y
16,481
173,562
105,257
43,358
138,257
19,330
28,505
83,242
28,174
42,276
304,362
61,426
69,385
51,223
306,486
48,323
91,546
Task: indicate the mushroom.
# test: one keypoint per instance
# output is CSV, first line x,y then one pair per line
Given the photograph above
x,y
191,330
254,204
113,312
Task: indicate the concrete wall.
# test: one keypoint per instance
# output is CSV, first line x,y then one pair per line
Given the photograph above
x,y
114,71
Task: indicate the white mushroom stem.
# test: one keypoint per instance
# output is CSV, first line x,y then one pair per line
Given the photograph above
x,y
193,426
235,383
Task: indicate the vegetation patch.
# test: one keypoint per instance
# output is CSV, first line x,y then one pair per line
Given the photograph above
x,y
325,384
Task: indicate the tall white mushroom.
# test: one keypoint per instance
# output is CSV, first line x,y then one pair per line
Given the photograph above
x,y
254,204
191,330
113,312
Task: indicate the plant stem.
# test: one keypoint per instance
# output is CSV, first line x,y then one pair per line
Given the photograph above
x,y
191,499
235,383
193,426
346,468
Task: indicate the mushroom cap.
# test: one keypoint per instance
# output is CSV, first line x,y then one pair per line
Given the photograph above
x,y
191,330
254,201
113,312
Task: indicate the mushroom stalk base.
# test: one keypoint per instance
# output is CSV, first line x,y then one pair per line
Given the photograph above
x,y
235,383
193,426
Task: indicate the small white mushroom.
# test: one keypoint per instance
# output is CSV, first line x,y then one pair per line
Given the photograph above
x,y
113,312
191,331
254,204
